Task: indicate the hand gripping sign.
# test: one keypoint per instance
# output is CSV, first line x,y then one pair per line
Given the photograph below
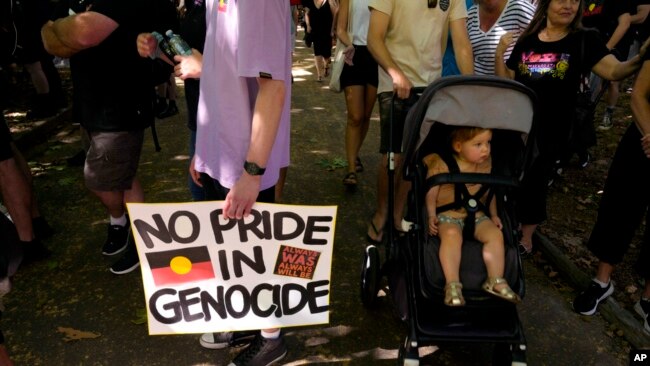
x,y
203,273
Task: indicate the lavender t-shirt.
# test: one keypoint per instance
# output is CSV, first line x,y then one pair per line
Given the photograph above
x,y
244,40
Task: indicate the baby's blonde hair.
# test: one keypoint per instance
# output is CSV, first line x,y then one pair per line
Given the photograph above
x,y
462,134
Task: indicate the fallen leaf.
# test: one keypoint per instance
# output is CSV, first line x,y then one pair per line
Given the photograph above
x,y
75,335
316,341
630,289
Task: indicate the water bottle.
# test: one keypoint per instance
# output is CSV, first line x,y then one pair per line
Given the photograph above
x,y
178,44
164,46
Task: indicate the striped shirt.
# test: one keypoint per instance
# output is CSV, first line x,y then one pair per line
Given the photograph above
x,y
515,18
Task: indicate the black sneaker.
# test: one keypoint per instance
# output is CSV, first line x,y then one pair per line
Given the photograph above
x,y
642,307
116,239
128,262
227,339
171,110
34,251
41,228
587,302
262,352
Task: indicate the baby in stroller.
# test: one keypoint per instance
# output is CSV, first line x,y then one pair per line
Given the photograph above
x,y
470,153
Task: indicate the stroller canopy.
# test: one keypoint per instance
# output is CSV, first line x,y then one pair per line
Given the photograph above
x,y
478,101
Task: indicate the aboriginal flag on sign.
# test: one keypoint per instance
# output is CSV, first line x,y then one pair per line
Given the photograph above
x,y
180,266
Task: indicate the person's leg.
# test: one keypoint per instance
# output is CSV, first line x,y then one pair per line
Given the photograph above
x,y
17,197
320,67
39,80
354,130
170,97
493,249
625,192
375,230
451,245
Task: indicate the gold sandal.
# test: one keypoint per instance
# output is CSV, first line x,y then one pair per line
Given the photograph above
x,y
505,293
454,294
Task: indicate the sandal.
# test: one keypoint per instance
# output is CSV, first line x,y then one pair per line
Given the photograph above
x,y
505,293
350,179
454,294
358,166
523,250
378,233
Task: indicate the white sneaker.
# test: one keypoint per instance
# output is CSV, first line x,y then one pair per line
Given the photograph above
x,y
606,123
227,339
643,309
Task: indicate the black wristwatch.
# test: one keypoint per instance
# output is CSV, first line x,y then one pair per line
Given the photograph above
x,y
253,169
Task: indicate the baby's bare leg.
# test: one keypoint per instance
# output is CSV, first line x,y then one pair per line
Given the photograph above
x,y
493,250
451,242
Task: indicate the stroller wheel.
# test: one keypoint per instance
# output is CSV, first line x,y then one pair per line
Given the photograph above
x,y
370,276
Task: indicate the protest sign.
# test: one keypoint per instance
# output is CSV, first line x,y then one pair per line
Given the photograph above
x,y
203,273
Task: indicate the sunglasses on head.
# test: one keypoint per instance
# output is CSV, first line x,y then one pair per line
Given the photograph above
x,y
432,3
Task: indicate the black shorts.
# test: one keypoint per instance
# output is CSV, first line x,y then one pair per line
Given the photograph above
x,y
363,70
5,140
112,160
398,118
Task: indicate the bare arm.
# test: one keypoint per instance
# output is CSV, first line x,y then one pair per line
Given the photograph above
x,y
641,106
611,69
342,23
641,14
376,36
500,68
84,30
462,46
334,8
266,119
431,198
308,30
494,215
619,32
53,44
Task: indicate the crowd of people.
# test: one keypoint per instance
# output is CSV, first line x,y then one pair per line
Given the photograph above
x,y
240,145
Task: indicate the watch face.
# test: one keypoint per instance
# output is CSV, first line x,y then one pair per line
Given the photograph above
x,y
253,169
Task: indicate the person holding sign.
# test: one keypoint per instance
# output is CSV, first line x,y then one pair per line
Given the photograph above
x,y
243,124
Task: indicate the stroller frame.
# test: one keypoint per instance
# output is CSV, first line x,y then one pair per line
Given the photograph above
x,y
405,254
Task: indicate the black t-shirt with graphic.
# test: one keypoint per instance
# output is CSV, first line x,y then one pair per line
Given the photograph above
x,y
603,15
552,70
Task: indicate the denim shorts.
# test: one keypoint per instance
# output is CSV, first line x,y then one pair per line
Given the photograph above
x,y
444,219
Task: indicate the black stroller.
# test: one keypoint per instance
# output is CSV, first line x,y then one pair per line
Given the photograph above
x,y
412,268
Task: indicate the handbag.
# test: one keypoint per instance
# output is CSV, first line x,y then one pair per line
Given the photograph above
x,y
337,67
339,57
